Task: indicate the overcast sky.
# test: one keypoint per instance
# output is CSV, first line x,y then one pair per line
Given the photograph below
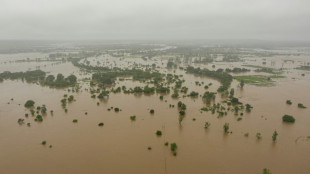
x,y
155,19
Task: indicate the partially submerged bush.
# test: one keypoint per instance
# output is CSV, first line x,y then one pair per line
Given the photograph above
x,y
75,121
207,124
274,136
289,102
100,124
258,135
29,103
39,118
300,105
226,127
152,111
20,121
133,117
173,147
288,118
158,132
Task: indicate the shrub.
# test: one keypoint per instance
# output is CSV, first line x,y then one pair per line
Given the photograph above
x,y
38,118
182,112
274,136
226,127
301,106
43,142
173,146
20,121
29,103
289,102
158,132
266,171
207,124
100,124
75,121
149,148
234,100
258,135
152,111
116,109
133,117
288,118
166,143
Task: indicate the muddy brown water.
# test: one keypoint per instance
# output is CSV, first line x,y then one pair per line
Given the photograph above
x,y
120,146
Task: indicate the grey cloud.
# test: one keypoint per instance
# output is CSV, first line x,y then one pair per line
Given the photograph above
x,y
155,19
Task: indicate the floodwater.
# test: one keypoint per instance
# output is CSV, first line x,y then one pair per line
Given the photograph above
x,y
120,146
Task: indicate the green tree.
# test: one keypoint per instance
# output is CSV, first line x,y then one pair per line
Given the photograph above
x,y
60,77
274,136
266,171
29,103
226,127
288,118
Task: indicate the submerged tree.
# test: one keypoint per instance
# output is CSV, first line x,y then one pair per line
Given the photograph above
x,y
288,118
29,103
266,171
274,136
207,124
226,127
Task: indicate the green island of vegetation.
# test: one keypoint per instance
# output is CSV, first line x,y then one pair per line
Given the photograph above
x,y
288,118
257,80
39,76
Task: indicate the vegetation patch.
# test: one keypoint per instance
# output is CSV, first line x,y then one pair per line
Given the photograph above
x,y
288,118
257,80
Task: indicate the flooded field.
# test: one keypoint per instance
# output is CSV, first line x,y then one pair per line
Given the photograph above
x,y
123,145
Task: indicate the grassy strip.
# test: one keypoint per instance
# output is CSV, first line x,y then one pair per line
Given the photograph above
x,y
264,69
258,80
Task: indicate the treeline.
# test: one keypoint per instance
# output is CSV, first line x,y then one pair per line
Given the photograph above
x,y
75,62
236,70
29,76
39,76
223,77
60,81
108,78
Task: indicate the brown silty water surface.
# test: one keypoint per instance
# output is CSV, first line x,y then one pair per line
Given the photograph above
x,y
120,146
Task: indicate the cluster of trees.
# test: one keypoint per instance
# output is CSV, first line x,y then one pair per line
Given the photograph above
x,y
29,76
182,108
39,76
60,80
223,77
237,70
194,94
208,96
146,89
108,78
